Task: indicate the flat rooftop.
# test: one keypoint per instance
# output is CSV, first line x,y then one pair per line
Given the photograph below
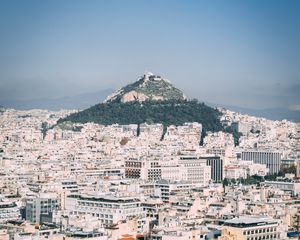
x,y
249,221
106,198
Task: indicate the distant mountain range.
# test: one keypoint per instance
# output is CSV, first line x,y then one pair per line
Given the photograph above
x,y
80,101
269,113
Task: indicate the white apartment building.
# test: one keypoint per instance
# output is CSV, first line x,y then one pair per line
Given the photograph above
x,y
185,168
189,132
172,173
151,131
235,172
194,170
8,211
164,188
108,209
293,186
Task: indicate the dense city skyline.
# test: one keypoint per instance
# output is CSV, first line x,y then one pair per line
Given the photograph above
x,y
149,120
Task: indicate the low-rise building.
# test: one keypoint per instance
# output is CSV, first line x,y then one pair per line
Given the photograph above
x,y
109,209
250,227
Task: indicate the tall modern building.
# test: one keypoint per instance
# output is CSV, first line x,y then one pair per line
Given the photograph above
x,y
217,167
271,159
44,204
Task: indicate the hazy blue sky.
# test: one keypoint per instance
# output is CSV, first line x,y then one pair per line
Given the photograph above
x,y
244,53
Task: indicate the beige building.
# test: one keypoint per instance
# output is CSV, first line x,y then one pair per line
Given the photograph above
x,y
250,228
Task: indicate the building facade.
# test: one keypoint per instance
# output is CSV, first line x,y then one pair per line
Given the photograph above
x,y
271,159
44,204
108,209
250,228
217,168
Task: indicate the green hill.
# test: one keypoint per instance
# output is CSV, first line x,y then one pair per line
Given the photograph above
x,y
173,112
151,99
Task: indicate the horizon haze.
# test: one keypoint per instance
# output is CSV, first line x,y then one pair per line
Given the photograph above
x,y
229,53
